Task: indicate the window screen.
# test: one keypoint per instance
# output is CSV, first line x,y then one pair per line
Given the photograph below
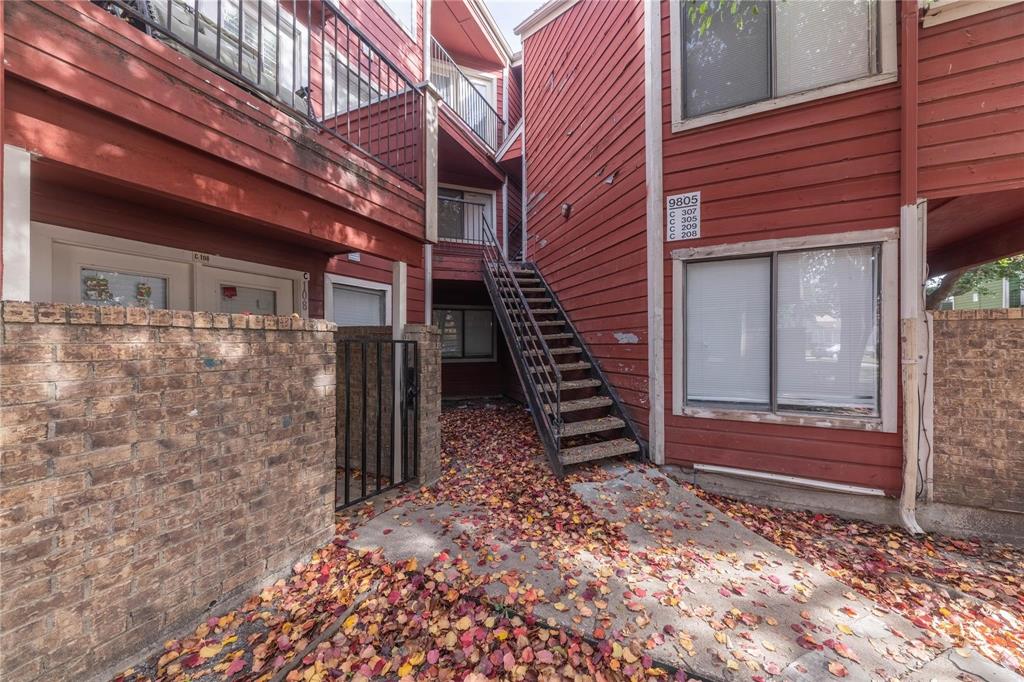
x,y
827,323
726,65
728,331
821,42
358,307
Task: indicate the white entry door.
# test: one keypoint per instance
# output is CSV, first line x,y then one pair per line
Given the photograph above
x,y
231,291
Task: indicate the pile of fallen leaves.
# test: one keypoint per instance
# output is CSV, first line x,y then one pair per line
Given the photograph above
x,y
969,590
350,614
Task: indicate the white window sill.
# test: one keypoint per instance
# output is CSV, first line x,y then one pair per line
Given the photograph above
x,y
821,421
683,125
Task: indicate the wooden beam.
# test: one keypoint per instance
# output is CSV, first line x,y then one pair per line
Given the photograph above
x,y
135,158
997,242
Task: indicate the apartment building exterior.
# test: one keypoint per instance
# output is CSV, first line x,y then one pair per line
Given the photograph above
x,y
739,212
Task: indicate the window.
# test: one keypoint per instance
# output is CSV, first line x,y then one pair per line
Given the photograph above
x,y
771,53
346,88
466,333
403,11
463,216
103,287
358,307
785,332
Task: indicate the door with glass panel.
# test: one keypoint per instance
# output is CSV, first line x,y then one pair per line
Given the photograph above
x,y
98,277
231,291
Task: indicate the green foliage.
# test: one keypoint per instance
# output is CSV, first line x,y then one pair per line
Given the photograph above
x,y
986,278
702,13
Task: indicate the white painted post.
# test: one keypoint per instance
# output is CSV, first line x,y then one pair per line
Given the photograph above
x,y
17,224
912,281
430,100
399,300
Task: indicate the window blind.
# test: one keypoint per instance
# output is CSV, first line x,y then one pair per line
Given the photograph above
x,y
357,307
479,333
827,323
728,331
821,42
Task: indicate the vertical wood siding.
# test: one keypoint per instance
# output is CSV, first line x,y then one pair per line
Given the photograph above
x,y
584,98
971,136
822,167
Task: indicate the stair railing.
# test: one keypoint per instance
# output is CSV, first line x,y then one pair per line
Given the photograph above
x,y
542,376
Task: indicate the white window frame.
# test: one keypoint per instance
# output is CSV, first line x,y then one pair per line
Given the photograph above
x,y
886,74
330,279
491,202
43,236
493,357
888,365
410,30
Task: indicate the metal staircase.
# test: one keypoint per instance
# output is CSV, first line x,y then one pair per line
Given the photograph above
x,y
578,414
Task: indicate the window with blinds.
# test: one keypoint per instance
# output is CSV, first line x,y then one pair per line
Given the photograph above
x,y
785,332
771,49
466,333
358,307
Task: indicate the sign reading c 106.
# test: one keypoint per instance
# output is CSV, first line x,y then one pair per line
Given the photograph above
x,y
682,216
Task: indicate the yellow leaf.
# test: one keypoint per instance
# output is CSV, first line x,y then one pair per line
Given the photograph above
x,y
350,622
463,623
417,658
210,650
846,629
405,669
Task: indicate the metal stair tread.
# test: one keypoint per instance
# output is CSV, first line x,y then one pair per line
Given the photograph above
x,y
563,335
601,450
568,350
567,367
591,426
581,404
574,385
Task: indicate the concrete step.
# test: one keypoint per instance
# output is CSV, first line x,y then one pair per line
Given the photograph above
x,y
591,426
581,404
567,367
575,385
544,311
602,450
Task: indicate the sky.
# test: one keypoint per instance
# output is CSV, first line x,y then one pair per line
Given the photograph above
x,y
510,13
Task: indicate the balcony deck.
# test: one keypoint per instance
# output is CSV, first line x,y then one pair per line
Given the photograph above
x,y
132,110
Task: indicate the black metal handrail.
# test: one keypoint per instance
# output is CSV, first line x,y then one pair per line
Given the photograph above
x,y
460,221
515,242
542,380
464,98
307,57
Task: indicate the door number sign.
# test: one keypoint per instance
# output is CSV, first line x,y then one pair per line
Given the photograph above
x,y
683,216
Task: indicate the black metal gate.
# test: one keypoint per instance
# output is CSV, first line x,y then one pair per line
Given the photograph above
x,y
378,417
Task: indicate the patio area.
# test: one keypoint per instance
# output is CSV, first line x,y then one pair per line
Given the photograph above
x,y
502,571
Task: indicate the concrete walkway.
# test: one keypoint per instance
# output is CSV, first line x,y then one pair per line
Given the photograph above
x,y
703,592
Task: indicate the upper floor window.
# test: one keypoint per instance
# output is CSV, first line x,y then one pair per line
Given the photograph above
x,y
767,54
404,12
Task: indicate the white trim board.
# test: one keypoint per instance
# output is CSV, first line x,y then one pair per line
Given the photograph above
x,y
331,279
791,480
543,16
654,181
17,231
887,74
888,329
943,11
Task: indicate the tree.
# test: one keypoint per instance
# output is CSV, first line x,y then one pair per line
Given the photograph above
x,y
980,278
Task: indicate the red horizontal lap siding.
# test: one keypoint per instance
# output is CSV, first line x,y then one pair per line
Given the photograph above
x,y
584,99
515,100
971,137
89,56
826,166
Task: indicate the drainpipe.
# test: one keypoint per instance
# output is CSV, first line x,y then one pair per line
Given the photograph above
x,y
912,263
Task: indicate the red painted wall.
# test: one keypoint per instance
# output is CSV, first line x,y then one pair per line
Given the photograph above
x,y
515,99
971,135
822,167
388,35
377,269
584,102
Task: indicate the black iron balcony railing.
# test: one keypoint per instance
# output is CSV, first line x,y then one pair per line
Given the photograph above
x,y
461,221
464,97
309,58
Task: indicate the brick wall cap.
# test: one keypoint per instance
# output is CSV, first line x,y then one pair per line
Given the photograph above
x,y
24,312
992,314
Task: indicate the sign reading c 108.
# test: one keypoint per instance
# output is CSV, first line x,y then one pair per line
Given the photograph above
x,y
683,216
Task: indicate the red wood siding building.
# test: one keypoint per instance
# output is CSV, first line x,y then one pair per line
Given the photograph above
x,y
584,110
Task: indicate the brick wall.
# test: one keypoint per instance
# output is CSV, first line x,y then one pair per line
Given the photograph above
x,y
154,464
978,361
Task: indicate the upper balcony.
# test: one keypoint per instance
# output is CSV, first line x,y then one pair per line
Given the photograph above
x,y
275,114
470,94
